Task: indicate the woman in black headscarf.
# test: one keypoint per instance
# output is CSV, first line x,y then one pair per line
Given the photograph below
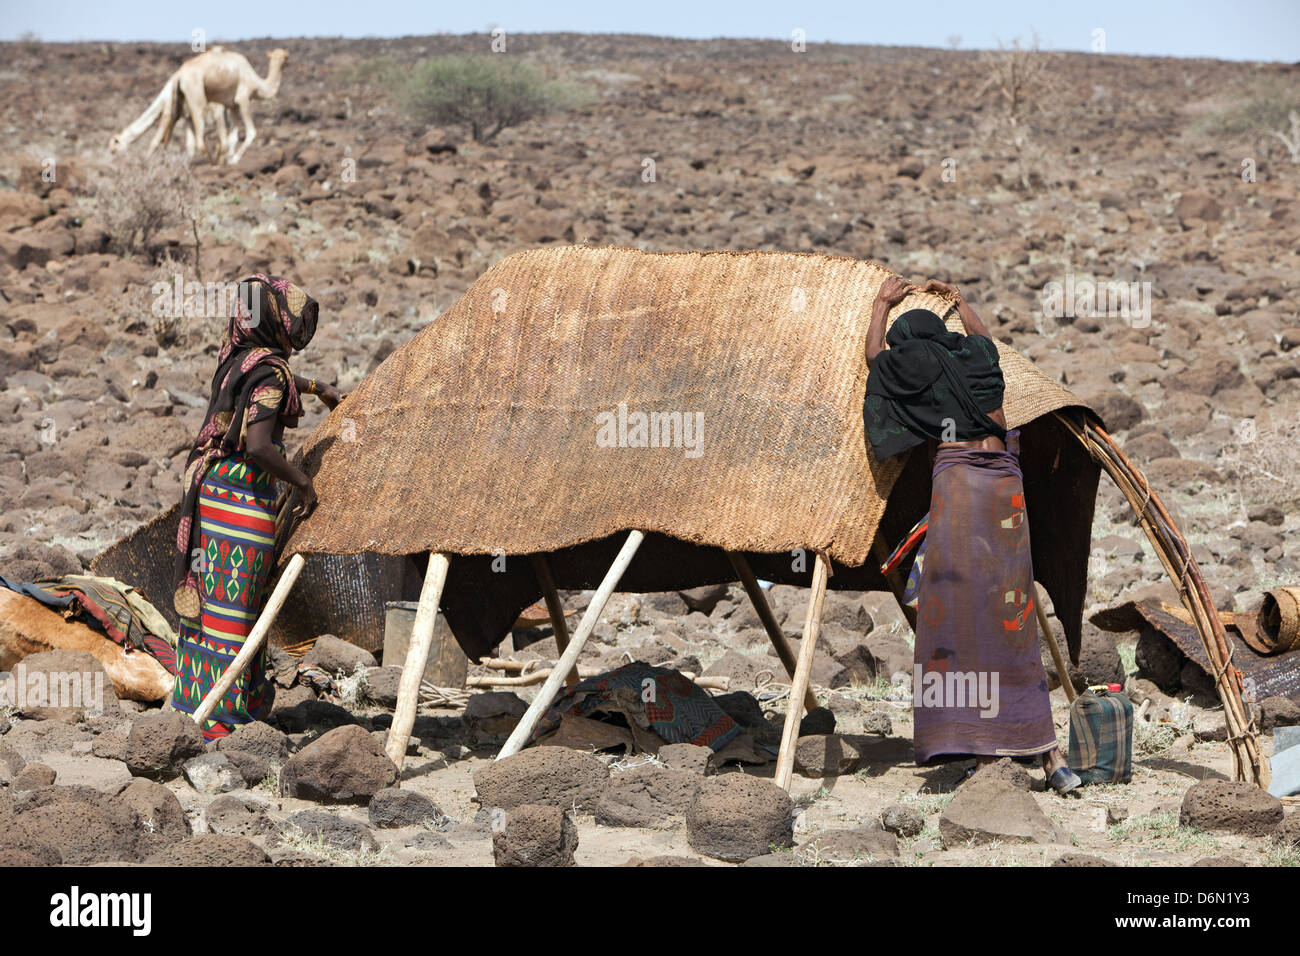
x,y
225,543
979,687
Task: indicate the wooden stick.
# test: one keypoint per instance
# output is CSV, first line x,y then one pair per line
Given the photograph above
x,y
569,659
542,568
764,611
252,643
802,672
1049,638
417,655
895,581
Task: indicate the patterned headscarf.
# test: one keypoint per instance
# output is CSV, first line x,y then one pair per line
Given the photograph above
x,y
253,382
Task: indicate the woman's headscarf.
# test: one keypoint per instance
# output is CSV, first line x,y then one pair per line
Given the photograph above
x,y
931,383
253,382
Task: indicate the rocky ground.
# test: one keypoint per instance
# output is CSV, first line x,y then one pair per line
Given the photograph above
x,y
1132,171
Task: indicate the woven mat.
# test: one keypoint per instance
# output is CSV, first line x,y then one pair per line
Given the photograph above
x,y
480,434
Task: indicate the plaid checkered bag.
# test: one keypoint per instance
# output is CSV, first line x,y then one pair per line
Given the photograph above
x,y
1101,737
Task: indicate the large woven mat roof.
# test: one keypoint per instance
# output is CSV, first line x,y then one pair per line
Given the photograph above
x,y
479,435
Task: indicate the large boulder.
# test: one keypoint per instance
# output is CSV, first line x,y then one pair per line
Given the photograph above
x,y
158,809
82,824
238,814
647,796
545,776
735,816
159,744
860,846
213,774
1231,806
345,765
993,811
535,836
258,738
492,715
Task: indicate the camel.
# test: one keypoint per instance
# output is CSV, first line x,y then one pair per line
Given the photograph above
x,y
210,84
28,627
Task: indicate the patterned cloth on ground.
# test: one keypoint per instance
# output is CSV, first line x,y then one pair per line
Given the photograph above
x,y
674,707
107,605
236,540
980,687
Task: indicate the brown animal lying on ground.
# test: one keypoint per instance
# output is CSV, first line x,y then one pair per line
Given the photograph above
x,y
29,627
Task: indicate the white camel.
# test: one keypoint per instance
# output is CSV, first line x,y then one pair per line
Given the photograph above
x,y
209,84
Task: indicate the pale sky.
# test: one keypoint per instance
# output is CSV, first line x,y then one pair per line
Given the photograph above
x,y
1224,29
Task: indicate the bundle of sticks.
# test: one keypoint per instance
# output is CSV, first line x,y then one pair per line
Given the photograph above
x,y
1176,556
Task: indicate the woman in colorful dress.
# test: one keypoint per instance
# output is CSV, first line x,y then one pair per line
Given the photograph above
x,y
226,539
979,685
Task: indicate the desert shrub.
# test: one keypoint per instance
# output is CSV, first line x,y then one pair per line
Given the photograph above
x,y
1024,83
484,93
141,196
1263,109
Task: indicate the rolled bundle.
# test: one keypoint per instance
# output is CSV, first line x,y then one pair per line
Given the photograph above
x,y
1276,628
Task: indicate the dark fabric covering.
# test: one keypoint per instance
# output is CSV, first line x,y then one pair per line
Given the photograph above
x,y
253,382
976,615
931,384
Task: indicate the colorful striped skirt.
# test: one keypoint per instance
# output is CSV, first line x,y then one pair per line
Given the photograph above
x,y
237,541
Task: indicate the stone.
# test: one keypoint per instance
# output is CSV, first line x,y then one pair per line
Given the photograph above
x,y
647,796
703,599
210,850
311,714
544,776
83,825
335,656
833,755
237,815
1004,769
992,810
1081,859
902,820
258,738
65,684
405,808
1277,712
742,707
492,715
159,810
1230,806
819,720
159,744
382,684
250,766
691,757
334,831
535,836
345,765
1219,860
1288,831
213,773
857,846
33,775
735,816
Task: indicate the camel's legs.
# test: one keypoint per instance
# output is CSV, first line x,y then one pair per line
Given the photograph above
x,y
245,109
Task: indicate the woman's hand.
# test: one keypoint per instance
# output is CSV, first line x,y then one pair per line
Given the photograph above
x,y
942,288
330,395
303,499
893,291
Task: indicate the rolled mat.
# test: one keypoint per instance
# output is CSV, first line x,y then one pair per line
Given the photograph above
x,y
1276,628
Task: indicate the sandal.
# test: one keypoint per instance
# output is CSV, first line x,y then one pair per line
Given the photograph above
x,y
1063,780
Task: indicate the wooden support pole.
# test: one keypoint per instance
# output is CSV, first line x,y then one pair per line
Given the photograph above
x,y
417,655
569,659
542,568
897,585
802,671
764,611
1054,647
253,643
